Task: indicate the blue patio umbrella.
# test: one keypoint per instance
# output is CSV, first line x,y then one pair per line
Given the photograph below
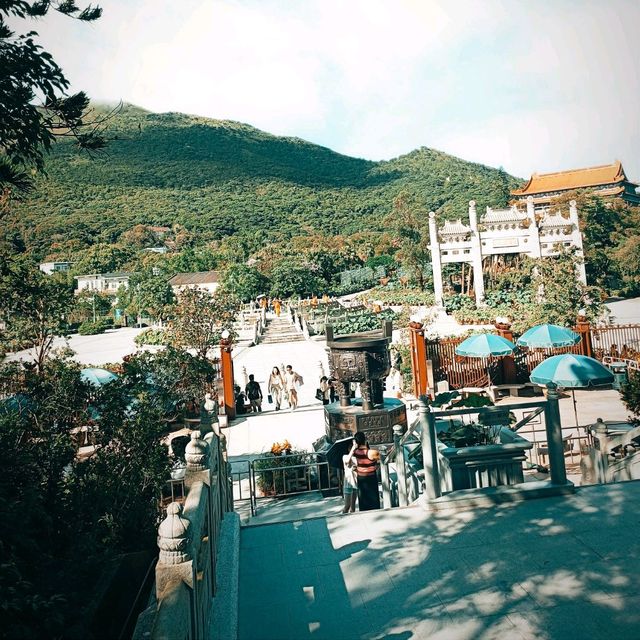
x,y
485,345
548,336
571,371
97,377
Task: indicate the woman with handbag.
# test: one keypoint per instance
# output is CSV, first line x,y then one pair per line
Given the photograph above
x,y
276,387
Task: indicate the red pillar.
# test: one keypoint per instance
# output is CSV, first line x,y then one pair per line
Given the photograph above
x,y
418,359
583,328
226,363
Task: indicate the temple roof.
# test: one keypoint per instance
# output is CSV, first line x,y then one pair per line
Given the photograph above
x,y
503,215
454,228
555,220
573,179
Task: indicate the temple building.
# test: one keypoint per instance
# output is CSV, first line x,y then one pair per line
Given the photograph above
x,y
608,180
501,232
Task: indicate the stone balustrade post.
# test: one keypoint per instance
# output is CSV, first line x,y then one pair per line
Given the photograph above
x,y
432,488
554,436
401,471
196,453
174,537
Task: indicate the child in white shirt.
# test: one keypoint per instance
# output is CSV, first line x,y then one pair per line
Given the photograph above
x,y
350,484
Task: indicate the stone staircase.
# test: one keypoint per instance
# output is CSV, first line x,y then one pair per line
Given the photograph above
x,y
280,330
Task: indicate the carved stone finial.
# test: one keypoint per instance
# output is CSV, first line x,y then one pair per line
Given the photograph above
x,y
432,214
173,536
196,452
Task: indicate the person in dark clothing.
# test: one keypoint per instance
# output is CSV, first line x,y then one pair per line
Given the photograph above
x,y
366,470
240,400
254,393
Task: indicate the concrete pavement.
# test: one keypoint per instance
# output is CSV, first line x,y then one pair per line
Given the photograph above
x,y
555,569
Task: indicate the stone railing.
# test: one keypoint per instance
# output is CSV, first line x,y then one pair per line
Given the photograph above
x,y
193,598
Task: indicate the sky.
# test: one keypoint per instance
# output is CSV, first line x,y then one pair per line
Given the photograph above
x,y
528,86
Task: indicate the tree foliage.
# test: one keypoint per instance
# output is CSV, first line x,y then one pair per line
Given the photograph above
x,y
33,306
34,107
200,317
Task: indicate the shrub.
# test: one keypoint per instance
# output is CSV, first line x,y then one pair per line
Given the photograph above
x,y
400,296
152,337
89,328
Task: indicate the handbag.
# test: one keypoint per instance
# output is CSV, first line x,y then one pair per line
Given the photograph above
x,y
319,394
270,399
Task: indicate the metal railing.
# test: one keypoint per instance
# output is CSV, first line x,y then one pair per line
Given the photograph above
x,y
287,475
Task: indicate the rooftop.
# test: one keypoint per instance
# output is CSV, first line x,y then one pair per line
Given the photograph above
x,y
573,179
199,277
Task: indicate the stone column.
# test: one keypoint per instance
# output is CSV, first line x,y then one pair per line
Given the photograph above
x,y
476,254
535,251
436,260
576,239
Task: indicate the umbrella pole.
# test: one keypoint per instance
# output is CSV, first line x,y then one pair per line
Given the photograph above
x,y
575,407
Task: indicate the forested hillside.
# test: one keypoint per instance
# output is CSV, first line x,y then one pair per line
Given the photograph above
x,y
216,178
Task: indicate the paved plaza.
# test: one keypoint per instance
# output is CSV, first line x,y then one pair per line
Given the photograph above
x,y
556,568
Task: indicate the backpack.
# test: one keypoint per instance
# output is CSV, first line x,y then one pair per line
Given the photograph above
x,y
253,390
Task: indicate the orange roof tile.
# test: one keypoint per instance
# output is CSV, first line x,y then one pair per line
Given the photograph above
x,y
572,179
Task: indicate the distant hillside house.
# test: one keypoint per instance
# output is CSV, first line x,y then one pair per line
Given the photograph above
x,y
156,249
608,180
207,280
53,267
103,282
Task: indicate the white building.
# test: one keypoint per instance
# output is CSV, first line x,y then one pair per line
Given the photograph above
x,y
53,267
499,232
103,282
206,280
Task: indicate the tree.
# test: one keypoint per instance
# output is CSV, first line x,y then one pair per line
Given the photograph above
x,y
244,282
92,305
200,317
412,232
289,278
102,258
147,295
34,109
33,306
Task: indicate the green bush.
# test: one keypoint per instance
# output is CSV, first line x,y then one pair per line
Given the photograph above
x,y
152,337
400,296
89,328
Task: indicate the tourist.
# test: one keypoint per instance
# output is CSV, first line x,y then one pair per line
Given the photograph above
x,y
333,393
366,469
292,381
350,484
240,400
324,390
254,393
276,386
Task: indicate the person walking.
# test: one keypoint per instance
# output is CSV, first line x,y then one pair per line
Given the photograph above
x,y
277,306
276,386
366,470
254,394
292,381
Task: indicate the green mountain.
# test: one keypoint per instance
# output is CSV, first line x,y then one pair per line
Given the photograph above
x,y
218,177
